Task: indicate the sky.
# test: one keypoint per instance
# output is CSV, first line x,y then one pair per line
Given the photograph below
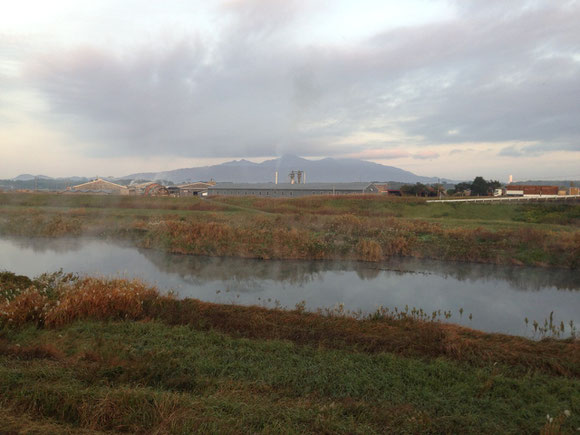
x,y
448,88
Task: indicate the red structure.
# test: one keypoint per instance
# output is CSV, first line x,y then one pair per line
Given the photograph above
x,y
533,190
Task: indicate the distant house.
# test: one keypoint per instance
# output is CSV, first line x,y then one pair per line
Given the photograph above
x,y
385,190
288,190
99,186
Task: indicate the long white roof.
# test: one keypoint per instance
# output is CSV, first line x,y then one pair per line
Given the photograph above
x,y
357,186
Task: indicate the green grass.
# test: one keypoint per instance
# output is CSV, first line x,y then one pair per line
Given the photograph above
x,y
148,376
418,208
410,208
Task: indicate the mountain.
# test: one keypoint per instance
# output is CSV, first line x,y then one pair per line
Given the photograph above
x,y
28,177
325,170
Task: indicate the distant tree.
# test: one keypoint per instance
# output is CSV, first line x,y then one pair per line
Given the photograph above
x,y
432,190
492,185
418,189
408,189
479,187
460,188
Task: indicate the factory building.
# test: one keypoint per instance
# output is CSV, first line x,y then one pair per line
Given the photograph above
x,y
289,190
193,189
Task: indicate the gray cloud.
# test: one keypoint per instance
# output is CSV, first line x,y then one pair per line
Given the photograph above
x,y
487,76
426,155
511,151
537,149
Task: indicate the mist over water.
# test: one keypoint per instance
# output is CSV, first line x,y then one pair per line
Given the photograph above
x,y
498,297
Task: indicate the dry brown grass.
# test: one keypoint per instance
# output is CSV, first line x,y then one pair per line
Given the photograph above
x,y
17,422
27,307
352,228
39,351
369,250
94,298
87,298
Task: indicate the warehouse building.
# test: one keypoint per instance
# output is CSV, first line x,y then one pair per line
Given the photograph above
x,y
194,189
288,190
99,186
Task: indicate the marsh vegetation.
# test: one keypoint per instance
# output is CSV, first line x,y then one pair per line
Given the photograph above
x,y
353,228
98,354
113,355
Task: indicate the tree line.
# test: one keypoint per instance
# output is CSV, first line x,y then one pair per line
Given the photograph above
x,y
478,187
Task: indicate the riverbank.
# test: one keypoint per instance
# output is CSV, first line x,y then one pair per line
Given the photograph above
x,y
469,293
114,355
351,228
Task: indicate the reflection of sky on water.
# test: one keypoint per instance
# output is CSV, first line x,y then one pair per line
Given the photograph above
x,y
499,297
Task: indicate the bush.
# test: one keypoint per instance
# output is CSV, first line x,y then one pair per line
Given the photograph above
x,y
369,250
87,298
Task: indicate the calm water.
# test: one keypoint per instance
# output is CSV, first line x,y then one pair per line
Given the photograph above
x,y
498,297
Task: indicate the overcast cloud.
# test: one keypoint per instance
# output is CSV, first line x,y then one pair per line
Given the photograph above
x,y
249,80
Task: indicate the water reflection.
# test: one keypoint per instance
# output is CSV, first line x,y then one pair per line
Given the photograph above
x,y
301,272
499,297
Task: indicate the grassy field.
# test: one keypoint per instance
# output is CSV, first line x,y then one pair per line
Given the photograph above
x,y
367,228
91,355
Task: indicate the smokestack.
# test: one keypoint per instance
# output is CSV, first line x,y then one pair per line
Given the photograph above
x,y
276,177
304,177
511,179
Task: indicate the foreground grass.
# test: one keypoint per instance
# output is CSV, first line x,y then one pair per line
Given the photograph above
x,y
148,376
113,355
345,228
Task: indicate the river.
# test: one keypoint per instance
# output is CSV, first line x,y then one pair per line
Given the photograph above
x,y
498,298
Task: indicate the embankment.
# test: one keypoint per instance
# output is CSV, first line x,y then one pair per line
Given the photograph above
x,y
112,355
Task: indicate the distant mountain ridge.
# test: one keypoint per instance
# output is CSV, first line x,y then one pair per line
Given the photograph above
x,y
324,170
28,177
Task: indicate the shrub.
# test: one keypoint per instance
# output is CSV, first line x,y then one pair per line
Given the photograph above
x,y
96,298
369,250
87,298
27,307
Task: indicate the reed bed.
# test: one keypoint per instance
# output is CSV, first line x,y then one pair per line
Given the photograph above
x,y
313,237
356,228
